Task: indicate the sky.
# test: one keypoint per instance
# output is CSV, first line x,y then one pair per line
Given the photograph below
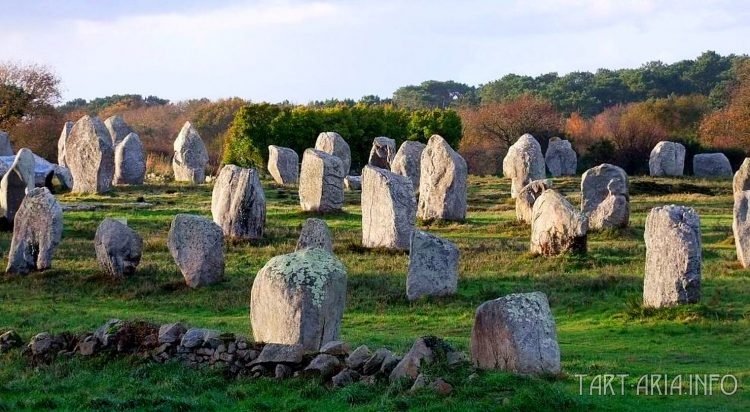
x,y
275,50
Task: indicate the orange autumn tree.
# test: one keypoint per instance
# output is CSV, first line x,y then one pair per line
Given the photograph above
x,y
729,127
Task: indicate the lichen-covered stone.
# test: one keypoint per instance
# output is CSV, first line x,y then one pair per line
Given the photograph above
x,y
408,161
332,143
523,163
605,197
527,197
711,165
516,333
36,233
90,156
433,266
299,298
560,158
62,144
315,233
388,209
190,156
321,185
673,257
14,184
117,128
197,246
283,165
667,159
442,182
556,226
130,161
238,204
118,248
382,152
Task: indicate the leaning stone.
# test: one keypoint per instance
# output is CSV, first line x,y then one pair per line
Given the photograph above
x,y
36,233
321,186
336,348
711,165
560,158
117,128
299,298
673,257
382,152
523,163
314,234
118,248
419,355
667,159
190,156
197,246
353,183
130,161
433,266
345,378
14,184
516,333
6,148
332,143
358,358
741,180
388,209
238,204
323,366
90,156
408,161
556,226
283,165
442,182
62,144
527,197
280,353
741,226
605,198
171,332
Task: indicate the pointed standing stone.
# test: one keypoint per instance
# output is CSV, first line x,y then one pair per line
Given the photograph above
x,y
388,209
15,183
442,182
90,156
36,233
190,156
408,161
62,144
238,204
315,233
560,158
130,161
117,128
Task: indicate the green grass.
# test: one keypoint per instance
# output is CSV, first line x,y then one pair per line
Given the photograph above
x,y
601,325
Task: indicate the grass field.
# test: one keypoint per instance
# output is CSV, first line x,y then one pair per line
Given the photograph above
x,y
601,326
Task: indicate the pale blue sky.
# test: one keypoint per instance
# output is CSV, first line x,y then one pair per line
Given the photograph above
x,y
304,50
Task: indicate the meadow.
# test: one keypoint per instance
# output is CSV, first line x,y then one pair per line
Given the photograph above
x,y
596,300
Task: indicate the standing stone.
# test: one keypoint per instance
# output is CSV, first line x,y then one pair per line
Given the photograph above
x,y
353,183
560,158
118,248
283,165
6,148
90,156
332,143
197,246
388,209
62,144
524,163
321,185
516,333
15,183
36,233
667,159
741,180
442,182
673,257
527,197
382,152
314,234
433,266
299,298
190,156
238,204
556,226
130,161
118,129
408,160
711,165
605,198
741,226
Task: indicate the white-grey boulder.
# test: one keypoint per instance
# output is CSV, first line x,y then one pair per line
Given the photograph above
x,y
299,298
6,148
673,257
315,233
190,156
560,158
130,161
332,143
442,182
433,266
118,248
321,184
197,246
605,197
382,152
408,161
90,156
36,233
118,129
516,333
353,183
667,159
527,197
741,226
238,204
62,143
389,209
523,163
711,165
556,226
18,180
283,165
741,179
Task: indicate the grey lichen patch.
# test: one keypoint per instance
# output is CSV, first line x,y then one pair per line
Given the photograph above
x,y
307,268
521,306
